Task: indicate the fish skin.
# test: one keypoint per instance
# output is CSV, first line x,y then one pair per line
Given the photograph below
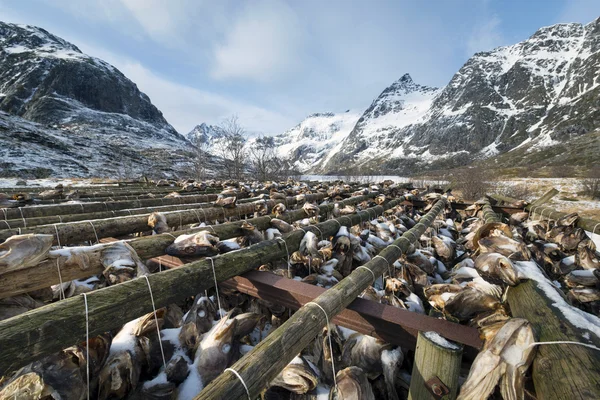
x,y
352,384
505,358
23,251
195,245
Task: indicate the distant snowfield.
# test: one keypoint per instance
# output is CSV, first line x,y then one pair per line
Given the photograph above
x,y
50,182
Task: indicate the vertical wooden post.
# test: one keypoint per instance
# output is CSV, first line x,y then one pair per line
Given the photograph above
x,y
438,357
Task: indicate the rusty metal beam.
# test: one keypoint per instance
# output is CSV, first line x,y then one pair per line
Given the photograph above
x,y
392,324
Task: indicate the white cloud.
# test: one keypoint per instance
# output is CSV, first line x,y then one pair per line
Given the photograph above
x,y
185,106
485,36
263,44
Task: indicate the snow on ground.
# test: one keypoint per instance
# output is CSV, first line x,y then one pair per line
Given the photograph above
x,y
50,183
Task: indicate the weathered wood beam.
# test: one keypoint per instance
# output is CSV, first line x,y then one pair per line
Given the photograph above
x,y
59,219
46,273
488,212
79,231
435,359
546,197
53,327
82,208
259,366
559,371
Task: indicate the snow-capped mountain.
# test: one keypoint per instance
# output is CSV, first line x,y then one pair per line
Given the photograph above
x,y
312,140
520,99
88,118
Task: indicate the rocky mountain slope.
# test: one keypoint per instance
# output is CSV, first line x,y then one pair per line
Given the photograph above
x,y
526,100
68,114
312,140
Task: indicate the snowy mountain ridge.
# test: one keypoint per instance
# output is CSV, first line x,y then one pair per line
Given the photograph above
x,y
529,97
65,113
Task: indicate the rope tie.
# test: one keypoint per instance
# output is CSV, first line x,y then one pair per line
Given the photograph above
x,y
62,291
57,237
162,352
565,342
96,234
393,245
7,224
288,254
60,218
307,229
240,379
197,215
105,205
87,346
19,229
82,210
337,222
371,271
348,218
23,218
170,234
328,338
387,262
212,262
5,216
594,230
411,233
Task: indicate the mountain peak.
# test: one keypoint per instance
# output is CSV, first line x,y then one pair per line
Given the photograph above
x,y
406,78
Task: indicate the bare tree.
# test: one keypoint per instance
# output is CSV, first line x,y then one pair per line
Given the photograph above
x,y
201,157
265,163
472,182
232,148
591,183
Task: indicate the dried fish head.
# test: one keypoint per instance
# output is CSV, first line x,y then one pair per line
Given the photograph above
x,y
197,321
216,349
158,222
504,245
194,245
444,247
310,209
505,358
352,384
470,302
498,267
23,251
297,377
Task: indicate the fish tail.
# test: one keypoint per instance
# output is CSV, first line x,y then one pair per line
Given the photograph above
x,y
480,387
512,384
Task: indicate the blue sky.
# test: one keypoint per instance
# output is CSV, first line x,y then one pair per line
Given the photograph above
x,y
272,62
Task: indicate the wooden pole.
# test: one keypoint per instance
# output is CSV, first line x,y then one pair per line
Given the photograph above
x,y
544,199
56,219
77,232
45,274
82,208
559,371
48,329
435,357
488,212
259,366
